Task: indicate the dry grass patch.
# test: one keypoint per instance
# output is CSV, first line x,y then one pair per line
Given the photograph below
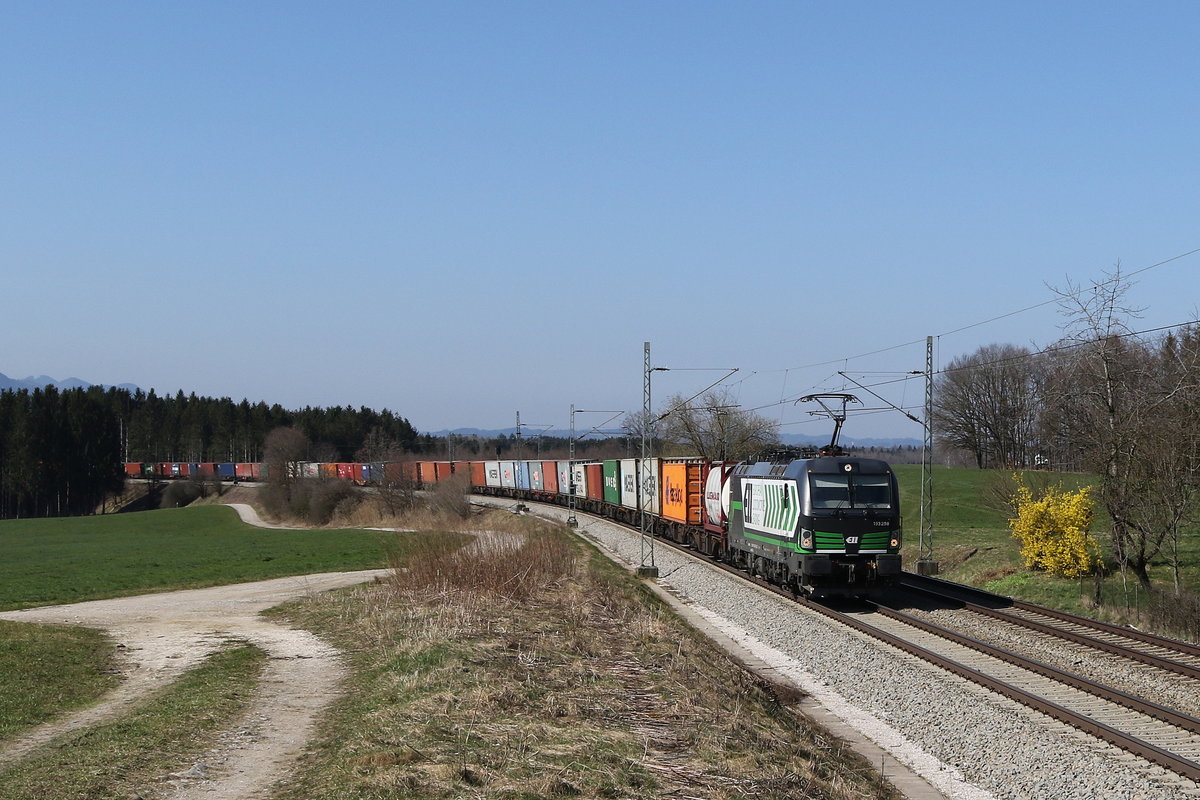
x,y
527,665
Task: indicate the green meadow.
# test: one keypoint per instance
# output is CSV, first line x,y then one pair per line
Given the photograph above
x,y
973,544
46,670
67,560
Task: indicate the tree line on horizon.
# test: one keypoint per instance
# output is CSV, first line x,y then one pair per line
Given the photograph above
x,y
61,451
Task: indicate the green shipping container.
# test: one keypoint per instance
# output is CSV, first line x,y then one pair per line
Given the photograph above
x,y
612,482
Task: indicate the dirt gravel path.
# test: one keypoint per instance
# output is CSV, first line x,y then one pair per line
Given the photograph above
x,y
162,635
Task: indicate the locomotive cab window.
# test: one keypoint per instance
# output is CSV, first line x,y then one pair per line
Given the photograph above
x,y
850,491
872,491
830,491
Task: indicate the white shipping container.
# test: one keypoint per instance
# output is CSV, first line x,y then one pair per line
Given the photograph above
x,y
491,473
564,477
647,477
716,492
508,474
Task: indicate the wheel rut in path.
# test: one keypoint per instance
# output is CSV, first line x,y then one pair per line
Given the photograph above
x,y
162,635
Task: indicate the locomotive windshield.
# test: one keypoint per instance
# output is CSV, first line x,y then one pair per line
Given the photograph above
x,y
850,491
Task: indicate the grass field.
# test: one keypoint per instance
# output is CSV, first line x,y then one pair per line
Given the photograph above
x,y
973,544
473,674
46,670
534,667
49,561
119,759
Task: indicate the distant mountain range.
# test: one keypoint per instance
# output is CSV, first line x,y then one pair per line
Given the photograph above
x,y
787,438
42,381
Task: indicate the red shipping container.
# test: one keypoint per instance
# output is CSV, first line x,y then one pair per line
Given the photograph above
x,y
478,474
442,470
550,476
425,473
207,468
595,481
133,469
347,471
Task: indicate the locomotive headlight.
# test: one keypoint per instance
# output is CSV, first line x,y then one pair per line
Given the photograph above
x,y
806,540
895,542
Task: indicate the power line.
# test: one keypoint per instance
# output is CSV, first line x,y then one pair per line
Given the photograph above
x,y
998,317
1074,294
1061,347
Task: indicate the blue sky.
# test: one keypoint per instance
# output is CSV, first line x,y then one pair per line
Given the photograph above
x,y
463,210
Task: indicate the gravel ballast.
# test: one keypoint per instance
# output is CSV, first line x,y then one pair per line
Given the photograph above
x,y
964,740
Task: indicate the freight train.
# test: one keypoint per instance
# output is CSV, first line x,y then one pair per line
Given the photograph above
x,y
828,524
823,525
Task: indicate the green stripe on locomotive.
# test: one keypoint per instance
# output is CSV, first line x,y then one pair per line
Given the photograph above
x,y
875,540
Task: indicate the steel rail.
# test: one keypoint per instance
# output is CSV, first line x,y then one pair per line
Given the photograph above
x,y
1186,648
1117,738
1132,702
1123,651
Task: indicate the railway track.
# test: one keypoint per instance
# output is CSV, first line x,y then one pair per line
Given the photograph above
x,y
1155,732
1147,729
1169,655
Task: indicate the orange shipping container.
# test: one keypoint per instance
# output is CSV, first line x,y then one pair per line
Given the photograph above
x,y
397,471
682,491
478,475
248,469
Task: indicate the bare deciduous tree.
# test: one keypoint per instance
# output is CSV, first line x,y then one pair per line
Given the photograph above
x,y
987,403
714,428
1136,404
283,451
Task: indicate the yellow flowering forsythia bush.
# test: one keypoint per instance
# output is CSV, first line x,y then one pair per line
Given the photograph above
x,y
1055,530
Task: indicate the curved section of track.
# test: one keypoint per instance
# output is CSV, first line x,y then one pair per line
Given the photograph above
x,y
1159,734
1169,655
1156,733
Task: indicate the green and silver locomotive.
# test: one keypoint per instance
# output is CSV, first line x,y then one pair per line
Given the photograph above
x,y
824,526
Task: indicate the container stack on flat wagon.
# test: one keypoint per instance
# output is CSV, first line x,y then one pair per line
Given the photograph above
x,y
775,519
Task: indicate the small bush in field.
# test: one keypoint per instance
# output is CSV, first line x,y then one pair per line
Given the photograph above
x,y
328,496
450,496
1054,530
180,494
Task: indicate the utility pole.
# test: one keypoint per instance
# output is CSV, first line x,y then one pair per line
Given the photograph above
x,y
647,569
571,519
925,563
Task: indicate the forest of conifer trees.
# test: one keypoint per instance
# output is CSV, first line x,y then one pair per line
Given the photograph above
x,y
61,451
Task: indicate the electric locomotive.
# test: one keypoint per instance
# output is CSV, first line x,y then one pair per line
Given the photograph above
x,y
828,525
